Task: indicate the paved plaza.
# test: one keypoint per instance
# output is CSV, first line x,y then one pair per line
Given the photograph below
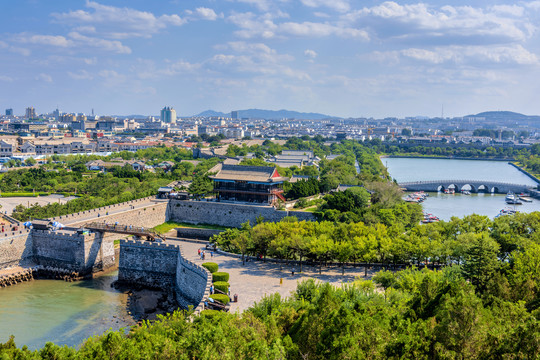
x,y
257,279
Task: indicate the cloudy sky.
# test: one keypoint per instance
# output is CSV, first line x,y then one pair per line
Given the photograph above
x,y
339,57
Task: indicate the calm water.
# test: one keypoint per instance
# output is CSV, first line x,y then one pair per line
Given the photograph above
x,y
64,313
445,205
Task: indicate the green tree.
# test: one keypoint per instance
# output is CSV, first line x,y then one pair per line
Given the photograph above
x,y
481,261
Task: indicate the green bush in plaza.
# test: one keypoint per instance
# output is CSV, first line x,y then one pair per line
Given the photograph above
x,y
220,276
222,286
221,298
208,314
211,266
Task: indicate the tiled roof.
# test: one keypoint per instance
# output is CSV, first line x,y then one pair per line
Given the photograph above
x,y
246,173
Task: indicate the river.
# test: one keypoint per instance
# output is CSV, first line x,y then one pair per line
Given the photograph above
x,y
65,313
445,206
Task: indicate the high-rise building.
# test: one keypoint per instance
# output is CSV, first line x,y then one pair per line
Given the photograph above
x,y
9,112
30,113
234,115
168,115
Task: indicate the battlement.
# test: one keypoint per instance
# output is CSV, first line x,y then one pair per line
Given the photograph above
x,y
61,235
102,209
148,244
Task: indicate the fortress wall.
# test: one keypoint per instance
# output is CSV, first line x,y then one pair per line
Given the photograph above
x,y
159,265
15,249
192,284
194,233
149,264
59,249
226,214
84,216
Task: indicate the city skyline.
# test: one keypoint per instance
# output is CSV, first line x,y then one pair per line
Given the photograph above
x,y
336,57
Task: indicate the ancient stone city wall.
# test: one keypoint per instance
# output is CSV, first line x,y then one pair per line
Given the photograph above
x,y
227,214
162,266
15,249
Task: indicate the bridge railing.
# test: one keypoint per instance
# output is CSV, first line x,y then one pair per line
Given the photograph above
x,y
482,182
124,229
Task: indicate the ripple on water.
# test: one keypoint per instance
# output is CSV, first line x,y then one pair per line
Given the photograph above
x,y
65,313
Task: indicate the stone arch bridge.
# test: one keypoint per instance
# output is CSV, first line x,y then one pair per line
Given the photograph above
x,y
471,185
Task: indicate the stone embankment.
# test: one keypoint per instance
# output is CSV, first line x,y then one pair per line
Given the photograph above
x,y
39,272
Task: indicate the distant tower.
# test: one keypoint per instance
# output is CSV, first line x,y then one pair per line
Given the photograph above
x,y
234,115
168,115
9,112
30,113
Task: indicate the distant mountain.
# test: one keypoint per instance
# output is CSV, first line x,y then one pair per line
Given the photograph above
x,y
505,116
270,114
209,113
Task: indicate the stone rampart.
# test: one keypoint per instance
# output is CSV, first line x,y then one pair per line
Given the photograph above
x,y
194,233
84,253
15,249
149,264
226,214
192,284
116,211
159,265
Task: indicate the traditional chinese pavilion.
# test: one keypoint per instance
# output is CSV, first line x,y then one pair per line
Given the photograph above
x,y
257,184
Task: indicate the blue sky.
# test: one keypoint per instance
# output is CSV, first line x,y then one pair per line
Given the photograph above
x,y
338,57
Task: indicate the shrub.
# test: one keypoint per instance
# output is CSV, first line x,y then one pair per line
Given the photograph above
x,y
221,298
222,286
210,314
211,266
220,276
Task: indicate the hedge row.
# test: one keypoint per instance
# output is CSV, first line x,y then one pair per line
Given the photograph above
x,y
224,299
23,194
211,266
222,286
220,276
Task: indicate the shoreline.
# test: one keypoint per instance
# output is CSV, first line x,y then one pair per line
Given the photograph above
x,y
445,157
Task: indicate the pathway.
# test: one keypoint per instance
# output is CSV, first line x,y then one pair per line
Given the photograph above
x,y
256,279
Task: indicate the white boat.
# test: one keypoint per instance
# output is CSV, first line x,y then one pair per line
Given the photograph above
x,y
510,196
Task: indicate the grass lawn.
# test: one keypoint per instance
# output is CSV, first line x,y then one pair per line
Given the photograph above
x,y
169,225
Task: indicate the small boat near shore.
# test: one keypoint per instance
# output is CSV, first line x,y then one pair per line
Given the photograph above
x,y
514,202
429,218
525,198
416,197
506,212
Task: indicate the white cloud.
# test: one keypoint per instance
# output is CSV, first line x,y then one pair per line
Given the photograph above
x,y
5,78
19,50
103,44
118,22
475,54
310,53
206,13
90,61
338,5
448,23
47,40
44,77
314,29
80,75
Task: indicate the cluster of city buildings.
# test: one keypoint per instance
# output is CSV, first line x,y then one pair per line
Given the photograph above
x,y
53,133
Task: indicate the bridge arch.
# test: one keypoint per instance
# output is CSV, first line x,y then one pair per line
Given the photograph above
x,y
453,186
483,189
494,190
468,187
440,188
